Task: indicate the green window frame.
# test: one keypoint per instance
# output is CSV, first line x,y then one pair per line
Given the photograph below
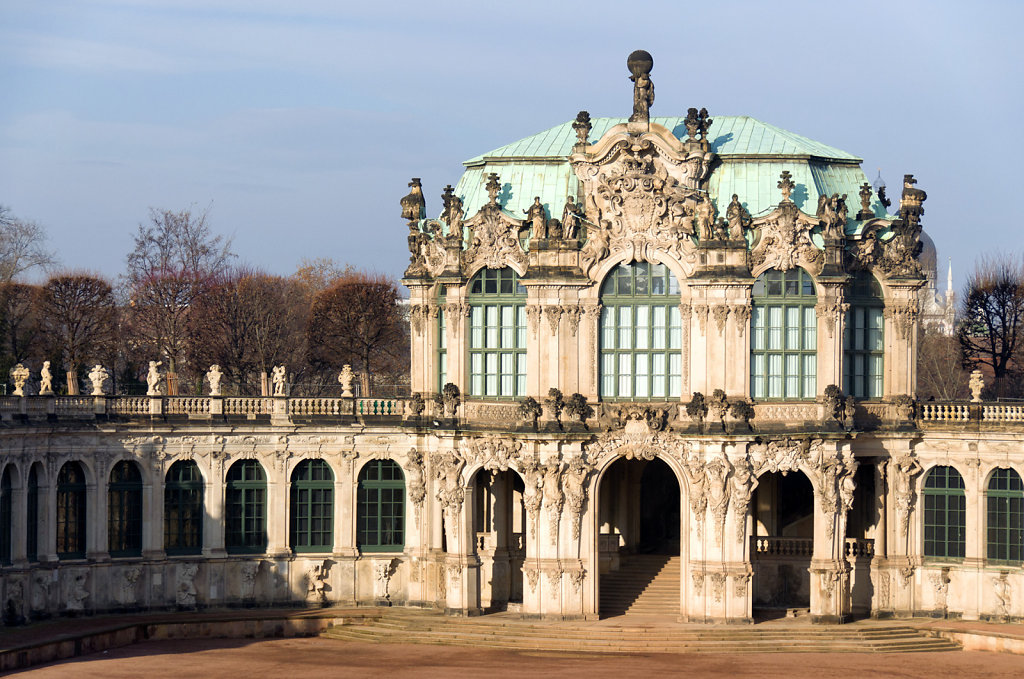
x,y
124,510
380,520
6,516
183,509
783,336
864,338
71,511
1005,526
641,335
245,510
945,514
442,349
312,507
32,516
497,334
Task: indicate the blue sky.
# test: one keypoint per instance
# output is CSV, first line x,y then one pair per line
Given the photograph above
x,y
299,123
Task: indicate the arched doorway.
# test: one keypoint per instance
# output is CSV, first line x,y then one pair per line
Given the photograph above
x,y
782,544
639,527
499,538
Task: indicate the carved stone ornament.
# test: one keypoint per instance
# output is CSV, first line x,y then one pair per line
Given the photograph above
x,y
902,471
448,472
784,240
784,455
896,256
643,195
830,311
904,316
720,312
415,479
493,453
494,240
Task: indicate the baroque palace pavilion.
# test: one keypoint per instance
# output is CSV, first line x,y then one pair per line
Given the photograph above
x,y
673,349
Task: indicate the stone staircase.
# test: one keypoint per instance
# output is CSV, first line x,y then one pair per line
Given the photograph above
x,y
645,584
509,632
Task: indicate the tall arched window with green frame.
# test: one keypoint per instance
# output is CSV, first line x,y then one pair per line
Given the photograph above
x,y
641,334
784,336
497,334
945,514
71,511
442,341
183,508
380,511
312,507
124,510
863,339
6,516
1005,516
245,508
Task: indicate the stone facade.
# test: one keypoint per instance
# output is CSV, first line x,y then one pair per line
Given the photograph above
x,y
519,480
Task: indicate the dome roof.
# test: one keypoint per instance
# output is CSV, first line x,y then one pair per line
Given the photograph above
x,y
929,257
752,154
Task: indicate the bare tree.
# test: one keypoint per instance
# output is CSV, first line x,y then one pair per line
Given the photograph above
x,y
359,320
991,317
19,311
79,315
940,373
22,246
175,258
250,321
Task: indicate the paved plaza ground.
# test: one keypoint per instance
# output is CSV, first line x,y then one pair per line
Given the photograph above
x,y
315,657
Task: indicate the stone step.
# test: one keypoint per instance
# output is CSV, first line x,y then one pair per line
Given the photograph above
x,y
553,640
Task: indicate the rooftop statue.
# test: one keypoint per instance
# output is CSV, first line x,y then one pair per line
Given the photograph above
x,y
571,216
153,379
537,219
640,64
414,205
45,380
213,376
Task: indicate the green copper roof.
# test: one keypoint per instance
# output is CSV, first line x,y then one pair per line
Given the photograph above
x,y
753,155
730,135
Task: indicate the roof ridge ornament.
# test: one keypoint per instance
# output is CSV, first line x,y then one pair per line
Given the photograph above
x,y
582,127
414,205
640,64
786,185
865,202
493,187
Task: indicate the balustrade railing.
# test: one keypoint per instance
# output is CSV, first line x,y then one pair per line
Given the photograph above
x,y
73,406
248,406
379,406
317,406
1000,412
777,546
855,548
130,405
187,405
945,412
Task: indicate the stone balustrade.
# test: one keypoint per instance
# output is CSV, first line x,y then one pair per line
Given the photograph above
x,y
778,546
767,415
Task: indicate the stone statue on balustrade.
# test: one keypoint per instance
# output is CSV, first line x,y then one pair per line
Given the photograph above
x,y
213,376
19,375
572,215
99,376
536,217
279,376
45,380
153,378
345,378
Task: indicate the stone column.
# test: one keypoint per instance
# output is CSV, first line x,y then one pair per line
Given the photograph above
x,y
153,514
19,515
46,546
96,543
830,576
277,519
213,521
831,319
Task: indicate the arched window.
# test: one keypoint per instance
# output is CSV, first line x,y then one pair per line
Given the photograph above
x,y
245,511
1005,499
784,336
124,510
863,348
183,509
312,507
381,511
32,516
6,516
945,514
71,511
497,334
641,333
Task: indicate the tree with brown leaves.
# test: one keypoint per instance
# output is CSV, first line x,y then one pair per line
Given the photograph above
x,y
359,320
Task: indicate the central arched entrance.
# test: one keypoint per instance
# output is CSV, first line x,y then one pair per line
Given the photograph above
x,y
499,538
639,512
782,544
